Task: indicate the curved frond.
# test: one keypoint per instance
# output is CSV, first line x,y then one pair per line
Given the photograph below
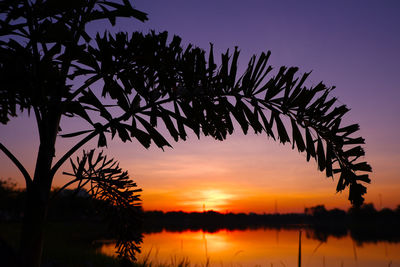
x,y
145,74
117,197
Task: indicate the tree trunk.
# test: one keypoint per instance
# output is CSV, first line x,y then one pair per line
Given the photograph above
x,y
38,193
33,228
36,211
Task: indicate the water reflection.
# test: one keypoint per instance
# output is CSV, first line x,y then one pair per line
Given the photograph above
x,y
263,247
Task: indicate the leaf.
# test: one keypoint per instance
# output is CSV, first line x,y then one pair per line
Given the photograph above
x,y
190,112
75,107
142,137
327,105
238,113
349,129
153,117
88,97
233,70
136,102
125,10
75,133
354,141
158,139
310,145
181,127
261,73
362,166
283,136
102,140
223,72
356,194
357,151
340,185
72,165
86,56
321,155
337,112
211,64
170,126
329,154
122,132
272,88
254,123
267,125
297,137
364,178
288,78
246,78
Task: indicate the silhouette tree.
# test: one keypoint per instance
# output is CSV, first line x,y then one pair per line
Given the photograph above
x,y
51,67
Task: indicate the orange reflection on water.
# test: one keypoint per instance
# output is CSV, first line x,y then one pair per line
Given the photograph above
x,y
262,247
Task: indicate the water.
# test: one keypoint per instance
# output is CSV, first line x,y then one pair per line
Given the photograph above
x,y
263,247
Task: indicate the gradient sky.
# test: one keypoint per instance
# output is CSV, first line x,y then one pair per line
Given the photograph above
x,y
353,45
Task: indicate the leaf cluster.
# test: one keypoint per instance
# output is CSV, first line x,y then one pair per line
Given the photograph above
x,y
153,80
117,197
38,42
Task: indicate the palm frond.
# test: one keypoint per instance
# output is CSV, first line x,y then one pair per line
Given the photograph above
x,y
208,99
117,197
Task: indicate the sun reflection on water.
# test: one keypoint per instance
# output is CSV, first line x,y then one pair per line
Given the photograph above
x,y
261,247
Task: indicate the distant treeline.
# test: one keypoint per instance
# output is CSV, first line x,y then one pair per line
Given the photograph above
x,y
64,205
364,224
212,221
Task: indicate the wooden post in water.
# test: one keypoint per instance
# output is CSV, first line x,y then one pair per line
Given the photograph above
x,y
299,260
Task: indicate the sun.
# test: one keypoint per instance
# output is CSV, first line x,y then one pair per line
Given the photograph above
x,y
205,199
214,199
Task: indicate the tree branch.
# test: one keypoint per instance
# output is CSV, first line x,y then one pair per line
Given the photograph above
x,y
28,179
80,89
38,120
74,149
96,132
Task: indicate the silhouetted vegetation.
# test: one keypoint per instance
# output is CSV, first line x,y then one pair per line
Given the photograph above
x,y
211,221
320,223
69,205
12,200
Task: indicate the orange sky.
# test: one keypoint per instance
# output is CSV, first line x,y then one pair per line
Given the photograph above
x,y
242,174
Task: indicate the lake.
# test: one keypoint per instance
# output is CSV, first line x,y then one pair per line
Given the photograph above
x,y
263,247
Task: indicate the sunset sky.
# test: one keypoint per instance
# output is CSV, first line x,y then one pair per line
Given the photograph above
x,y
353,45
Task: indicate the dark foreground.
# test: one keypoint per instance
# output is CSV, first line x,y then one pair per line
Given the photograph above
x,y
77,242
66,244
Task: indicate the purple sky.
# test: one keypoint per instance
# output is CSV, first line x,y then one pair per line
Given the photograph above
x,y
353,45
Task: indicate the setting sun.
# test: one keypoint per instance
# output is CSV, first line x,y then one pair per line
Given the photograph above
x,y
214,199
207,199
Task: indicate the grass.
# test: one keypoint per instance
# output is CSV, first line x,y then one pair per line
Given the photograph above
x,y
68,243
